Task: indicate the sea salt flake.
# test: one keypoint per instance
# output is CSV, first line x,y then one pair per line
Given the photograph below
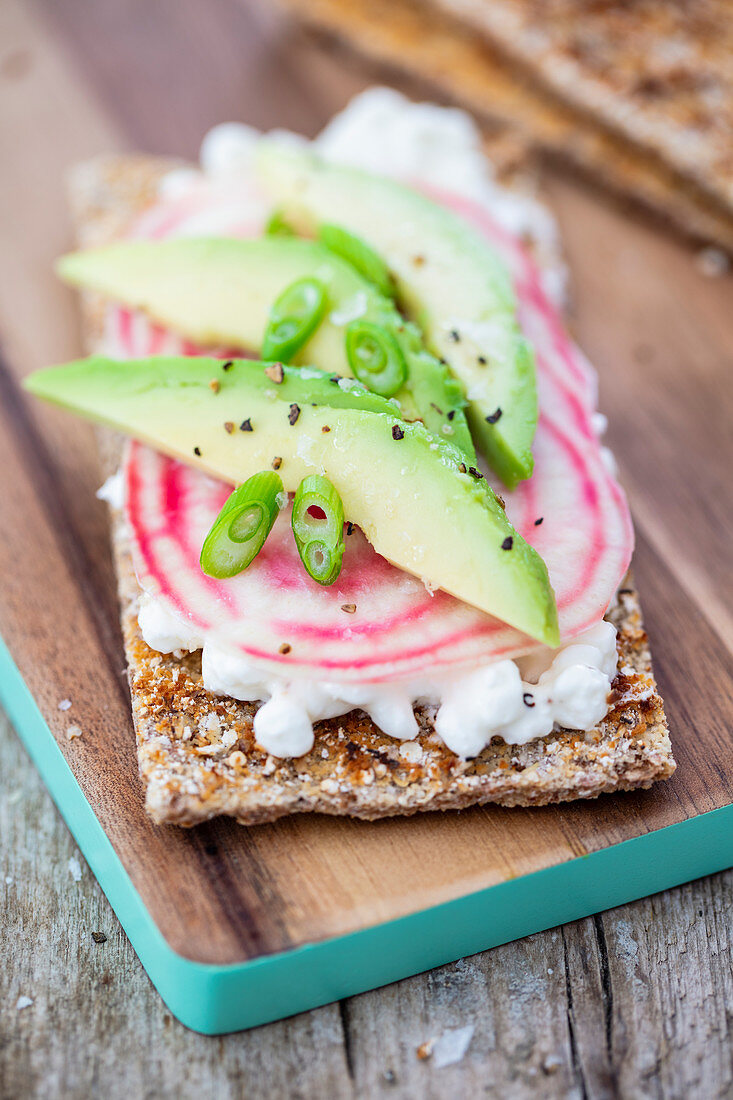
x,y
211,750
64,704
75,868
411,751
552,1063
23,1002
452,1045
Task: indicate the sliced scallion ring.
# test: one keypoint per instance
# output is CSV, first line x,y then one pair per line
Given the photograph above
x,y
277,226
359,254
375,357
318,527
239,531
294,317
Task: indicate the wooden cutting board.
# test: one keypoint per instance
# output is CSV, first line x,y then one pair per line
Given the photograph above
x,y
237,926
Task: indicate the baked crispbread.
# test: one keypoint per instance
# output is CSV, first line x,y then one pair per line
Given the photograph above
x,y
439,48
197,753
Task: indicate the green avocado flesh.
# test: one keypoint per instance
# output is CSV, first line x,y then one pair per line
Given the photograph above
x,y
403,487
220,291
448,278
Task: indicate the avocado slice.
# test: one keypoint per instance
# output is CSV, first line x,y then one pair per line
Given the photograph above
x,y
220,290
448,279
408,491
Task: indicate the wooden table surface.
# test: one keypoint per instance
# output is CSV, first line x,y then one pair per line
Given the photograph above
x,y
637,1002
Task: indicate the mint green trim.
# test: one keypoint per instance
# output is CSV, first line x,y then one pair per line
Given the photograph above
x,y
218,999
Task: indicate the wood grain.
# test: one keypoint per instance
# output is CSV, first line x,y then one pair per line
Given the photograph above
x,y
636,1003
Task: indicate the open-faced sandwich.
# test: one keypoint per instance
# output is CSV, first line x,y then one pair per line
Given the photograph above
x,y
372,555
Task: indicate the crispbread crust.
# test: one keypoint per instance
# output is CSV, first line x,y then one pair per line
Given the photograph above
x,y
659,73
197,753
430,43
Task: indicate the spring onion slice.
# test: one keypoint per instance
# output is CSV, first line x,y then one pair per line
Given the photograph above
x,y
294,317
278,226
318,527
375,357
359,254
239,531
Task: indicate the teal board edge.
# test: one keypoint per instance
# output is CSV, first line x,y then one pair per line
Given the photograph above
x,y
215,1000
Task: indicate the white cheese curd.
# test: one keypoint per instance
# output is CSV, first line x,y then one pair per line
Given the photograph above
x,y
563,687
282,726
164,631
113,491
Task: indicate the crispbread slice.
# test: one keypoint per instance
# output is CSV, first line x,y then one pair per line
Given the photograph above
x,y
197,753
658,73
428,42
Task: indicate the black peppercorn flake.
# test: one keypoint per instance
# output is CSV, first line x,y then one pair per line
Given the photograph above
x,y
475,473
228,365
246,426
455,335
482,360
285,648
507,543
325,428
451,414
197,451
494,416
437,408
277,462
293,414
229,426
397,432
537,522
349,527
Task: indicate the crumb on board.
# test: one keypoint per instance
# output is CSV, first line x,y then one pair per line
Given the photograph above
x,y
73,732
452,1045
712,262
